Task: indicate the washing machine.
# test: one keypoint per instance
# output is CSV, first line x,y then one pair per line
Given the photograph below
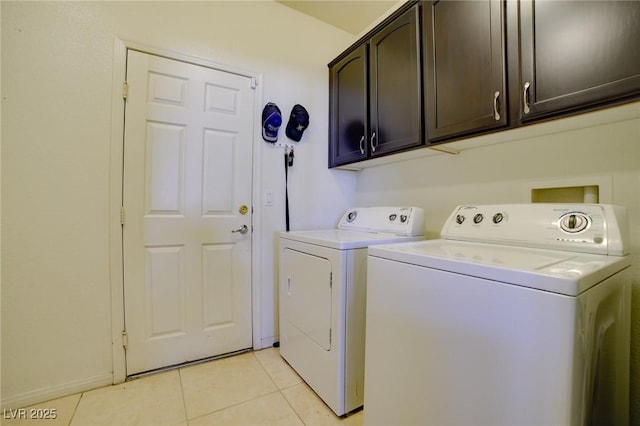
x,y
322,285
517,315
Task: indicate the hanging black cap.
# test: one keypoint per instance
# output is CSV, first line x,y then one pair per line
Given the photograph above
x,y
298,122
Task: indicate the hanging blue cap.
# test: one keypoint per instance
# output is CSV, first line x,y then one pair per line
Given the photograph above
x,y
271,122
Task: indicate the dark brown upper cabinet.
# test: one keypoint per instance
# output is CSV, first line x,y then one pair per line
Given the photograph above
x,y
395,91
376,93
577,54
465,67
483,66
348,108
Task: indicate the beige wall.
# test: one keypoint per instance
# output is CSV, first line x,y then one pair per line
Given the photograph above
x,y
57,68
504,172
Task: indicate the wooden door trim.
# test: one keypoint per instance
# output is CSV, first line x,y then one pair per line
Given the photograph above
x,y
116,193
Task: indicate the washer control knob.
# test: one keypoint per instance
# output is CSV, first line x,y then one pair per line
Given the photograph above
x,y
497,218
478,218
352,216
574,222
403,218
392,217
459,219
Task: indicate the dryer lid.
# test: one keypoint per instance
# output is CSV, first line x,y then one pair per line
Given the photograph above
x,y
341,239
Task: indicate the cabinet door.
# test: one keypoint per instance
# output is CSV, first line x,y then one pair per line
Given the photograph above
x,y
348,108
465,66
395,86
577,53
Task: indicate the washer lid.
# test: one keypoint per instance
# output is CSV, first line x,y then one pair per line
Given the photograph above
x,y
341,239
550,270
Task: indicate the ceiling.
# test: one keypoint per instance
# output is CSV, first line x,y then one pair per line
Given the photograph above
x,y
353,16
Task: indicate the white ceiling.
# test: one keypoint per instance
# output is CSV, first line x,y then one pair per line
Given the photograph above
x,y
353,16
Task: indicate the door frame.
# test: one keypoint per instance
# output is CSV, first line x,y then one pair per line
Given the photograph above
x,y
116,194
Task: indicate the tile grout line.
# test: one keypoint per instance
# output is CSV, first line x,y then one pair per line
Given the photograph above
x,y
230,406
291,406
279,390
75,409
184,402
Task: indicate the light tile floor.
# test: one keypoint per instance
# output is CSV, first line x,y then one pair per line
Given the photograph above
x,y
254,388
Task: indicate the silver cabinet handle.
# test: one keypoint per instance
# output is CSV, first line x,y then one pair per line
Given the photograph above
x,y
362,145
373,146
243,229
496,114
525,97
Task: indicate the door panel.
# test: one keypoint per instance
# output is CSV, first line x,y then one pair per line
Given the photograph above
x,y
165,174
165,291
218,161
187,170
577,53
308,297
217,277
348,118
396,86
465,77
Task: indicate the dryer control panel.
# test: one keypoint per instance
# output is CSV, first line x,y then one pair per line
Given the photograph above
x,y
404,221
585,228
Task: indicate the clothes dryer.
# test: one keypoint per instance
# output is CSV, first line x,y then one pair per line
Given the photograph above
x,y
322,285
518,315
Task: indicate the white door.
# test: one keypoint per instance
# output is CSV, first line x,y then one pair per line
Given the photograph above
x,y
187,180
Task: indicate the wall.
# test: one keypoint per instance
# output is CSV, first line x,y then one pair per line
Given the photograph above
x,y
502,173
57,67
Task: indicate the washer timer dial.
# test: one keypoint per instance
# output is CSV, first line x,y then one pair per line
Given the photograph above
x,y
574,222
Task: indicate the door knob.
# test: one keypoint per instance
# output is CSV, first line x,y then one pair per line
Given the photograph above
x,y
243,229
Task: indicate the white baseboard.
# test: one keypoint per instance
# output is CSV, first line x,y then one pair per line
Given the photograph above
x,y
46,394
267,343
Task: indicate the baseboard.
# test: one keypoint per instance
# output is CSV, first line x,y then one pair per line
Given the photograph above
x,y
267,343
46,394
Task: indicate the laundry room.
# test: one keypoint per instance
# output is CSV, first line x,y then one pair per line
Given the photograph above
x,y
64,269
